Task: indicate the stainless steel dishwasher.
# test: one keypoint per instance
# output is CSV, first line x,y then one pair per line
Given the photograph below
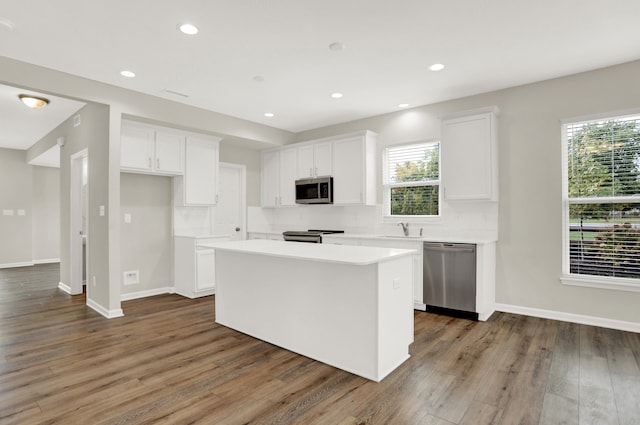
x,y
449,275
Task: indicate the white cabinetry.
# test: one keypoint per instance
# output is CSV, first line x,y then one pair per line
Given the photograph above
x,y
470,156
315,160
148,150
194,267
279,171
199,186
354,165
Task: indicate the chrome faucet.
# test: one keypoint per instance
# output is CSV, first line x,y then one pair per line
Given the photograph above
x,y
405,228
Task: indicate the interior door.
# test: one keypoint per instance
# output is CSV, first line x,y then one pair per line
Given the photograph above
x,y
229,213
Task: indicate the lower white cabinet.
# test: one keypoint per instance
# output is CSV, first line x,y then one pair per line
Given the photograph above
x,y
265,235
194,267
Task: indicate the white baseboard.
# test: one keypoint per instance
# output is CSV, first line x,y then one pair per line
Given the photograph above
x,y
64,287
46,261
147,293
12,265
570,317
109,314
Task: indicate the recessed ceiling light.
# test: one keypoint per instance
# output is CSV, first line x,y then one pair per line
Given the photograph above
x,y
33,102
336,95
188,29
337,46
403,105
258,79
436,67
269,114
128,74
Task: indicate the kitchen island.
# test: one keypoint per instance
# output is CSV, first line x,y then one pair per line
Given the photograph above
x,y
349,307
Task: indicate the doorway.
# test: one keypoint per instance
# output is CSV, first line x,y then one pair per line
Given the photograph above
x,y
79,237
230,211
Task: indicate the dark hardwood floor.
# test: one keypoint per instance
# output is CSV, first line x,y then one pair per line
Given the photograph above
x,y
167,362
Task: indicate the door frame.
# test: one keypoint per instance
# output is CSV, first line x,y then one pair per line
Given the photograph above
x,y
77,204
243,194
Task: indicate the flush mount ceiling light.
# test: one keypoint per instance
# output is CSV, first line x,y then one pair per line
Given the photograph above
x,y
188,29
336,95
128,74
33,102
269,114
436,67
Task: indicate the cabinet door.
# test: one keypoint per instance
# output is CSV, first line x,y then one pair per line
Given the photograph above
x,y
467,158
323,159
169,153
288,174
305,161
205,269
348,171
201,169
270,178
136,147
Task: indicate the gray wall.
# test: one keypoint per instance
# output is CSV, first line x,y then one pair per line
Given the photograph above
x,y
530,210
147,242
46,213
33,237
15,193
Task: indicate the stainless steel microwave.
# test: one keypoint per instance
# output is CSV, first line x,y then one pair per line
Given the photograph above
x,y
314,191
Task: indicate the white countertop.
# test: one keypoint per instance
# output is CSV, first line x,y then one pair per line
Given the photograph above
x,y
427,238
342,254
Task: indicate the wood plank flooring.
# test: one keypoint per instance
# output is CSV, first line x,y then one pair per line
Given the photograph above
x,y
168,362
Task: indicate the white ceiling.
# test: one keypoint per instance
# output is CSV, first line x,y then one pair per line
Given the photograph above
x,y
484,44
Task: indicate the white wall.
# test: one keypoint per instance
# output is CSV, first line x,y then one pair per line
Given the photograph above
x,y
530,208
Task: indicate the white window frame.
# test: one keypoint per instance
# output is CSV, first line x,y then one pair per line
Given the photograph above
x,y
590,281
386,186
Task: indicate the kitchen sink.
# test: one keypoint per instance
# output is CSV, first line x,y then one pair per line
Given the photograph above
x,y
400,237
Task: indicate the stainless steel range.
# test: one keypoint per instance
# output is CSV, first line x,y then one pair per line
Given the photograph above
x,y
311,235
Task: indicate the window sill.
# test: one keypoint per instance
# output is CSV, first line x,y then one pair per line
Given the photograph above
x,y
613,283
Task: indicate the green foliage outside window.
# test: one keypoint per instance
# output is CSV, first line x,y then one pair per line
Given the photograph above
x,y
417,199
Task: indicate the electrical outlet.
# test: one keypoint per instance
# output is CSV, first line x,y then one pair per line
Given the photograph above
x,y
94,281
396,283
131,277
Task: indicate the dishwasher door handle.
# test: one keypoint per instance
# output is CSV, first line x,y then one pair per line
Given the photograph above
x,y
448,248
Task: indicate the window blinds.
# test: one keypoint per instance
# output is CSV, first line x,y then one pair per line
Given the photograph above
x,y
603,183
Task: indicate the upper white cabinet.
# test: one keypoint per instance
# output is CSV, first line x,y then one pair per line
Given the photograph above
x,y
354,166
469,151
199,186
349,158
145,149
279,173
315,160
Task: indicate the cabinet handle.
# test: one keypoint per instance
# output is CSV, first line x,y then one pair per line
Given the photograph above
x,y
280,200
149,162
276,201
316,171
310,172
157,162
216,198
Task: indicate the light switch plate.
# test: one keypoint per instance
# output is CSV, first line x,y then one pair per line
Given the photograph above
x,y
396,283
22,212
7,212
127,218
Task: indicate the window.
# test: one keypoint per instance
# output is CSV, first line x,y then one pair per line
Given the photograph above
x,y
602,201
411,180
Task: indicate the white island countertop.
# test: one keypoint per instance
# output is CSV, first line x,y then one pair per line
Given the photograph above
x,y
341,254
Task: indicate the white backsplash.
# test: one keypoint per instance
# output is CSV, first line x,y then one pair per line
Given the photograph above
x,y
470,219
